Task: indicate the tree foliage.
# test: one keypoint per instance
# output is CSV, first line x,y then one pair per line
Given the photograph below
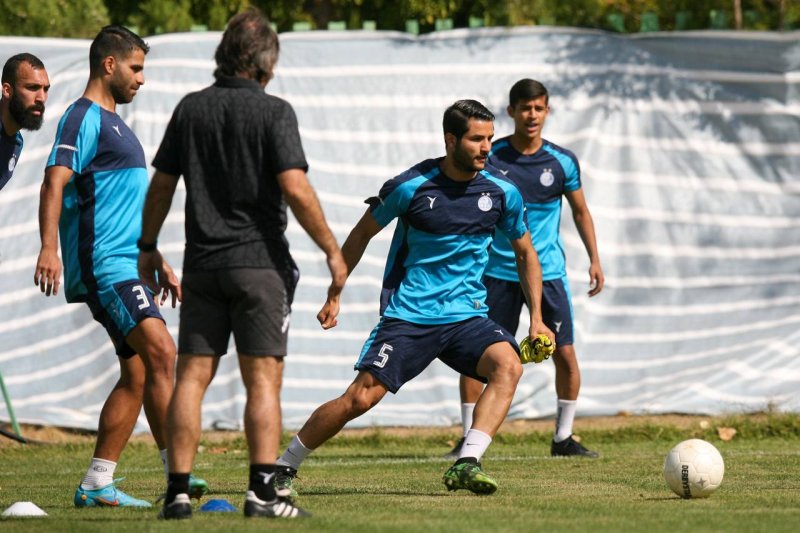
x,y
61,18
83,18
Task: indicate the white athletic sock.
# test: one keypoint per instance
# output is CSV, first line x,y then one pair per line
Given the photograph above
x,y
475,444
295,454
165,462
99,474
466,416
565,415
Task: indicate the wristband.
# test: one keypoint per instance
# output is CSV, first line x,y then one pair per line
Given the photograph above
x,y
146,246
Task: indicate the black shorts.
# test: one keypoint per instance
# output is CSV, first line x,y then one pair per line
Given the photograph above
x,y
505,300
252,303
397,351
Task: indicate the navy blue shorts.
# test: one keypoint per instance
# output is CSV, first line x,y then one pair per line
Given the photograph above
x,y
398,351
120,308
505,300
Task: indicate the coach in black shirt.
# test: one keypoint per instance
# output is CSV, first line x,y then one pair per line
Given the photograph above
x,y
239,152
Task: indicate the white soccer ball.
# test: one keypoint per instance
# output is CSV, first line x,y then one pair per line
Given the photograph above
x,y
694,469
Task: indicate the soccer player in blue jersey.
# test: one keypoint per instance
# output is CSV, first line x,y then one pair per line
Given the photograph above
x,y
92,195
25,86
544,173
433,301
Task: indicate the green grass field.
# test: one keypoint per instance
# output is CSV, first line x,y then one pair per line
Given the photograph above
x,y
387,480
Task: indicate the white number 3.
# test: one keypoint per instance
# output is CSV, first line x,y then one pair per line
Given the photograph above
x,y
141,296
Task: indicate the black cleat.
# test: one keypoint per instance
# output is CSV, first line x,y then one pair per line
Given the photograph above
x,y
453,454
278,508
570,447
179,509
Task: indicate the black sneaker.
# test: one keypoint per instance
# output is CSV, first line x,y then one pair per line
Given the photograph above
x,y
453,454
179,509
570,447
284,478
278,508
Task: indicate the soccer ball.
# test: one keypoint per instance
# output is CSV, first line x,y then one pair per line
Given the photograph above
x,y
694,469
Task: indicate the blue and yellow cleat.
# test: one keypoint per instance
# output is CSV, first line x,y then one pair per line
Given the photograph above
x,y
197,487
108,496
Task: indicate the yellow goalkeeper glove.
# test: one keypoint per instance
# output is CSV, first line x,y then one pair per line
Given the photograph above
x,y
537,351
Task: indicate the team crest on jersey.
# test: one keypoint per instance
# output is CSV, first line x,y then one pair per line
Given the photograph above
x,y
547,177
485,202
12,163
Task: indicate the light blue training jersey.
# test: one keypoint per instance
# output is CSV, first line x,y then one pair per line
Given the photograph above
x,y
440,245
542,178
101,215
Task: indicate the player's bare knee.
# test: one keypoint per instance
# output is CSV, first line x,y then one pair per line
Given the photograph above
x,y
161,362
506,370
359,401
133,383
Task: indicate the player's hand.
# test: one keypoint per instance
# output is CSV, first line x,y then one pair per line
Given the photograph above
x,y
159,277
169,283
329,312
48,272
539,328
596,279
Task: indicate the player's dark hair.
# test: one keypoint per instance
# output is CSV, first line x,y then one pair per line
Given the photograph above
x,y
11,68
248,46
116,41
456,117
525,90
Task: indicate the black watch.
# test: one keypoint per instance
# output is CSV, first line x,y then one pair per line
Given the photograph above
x,y
146,246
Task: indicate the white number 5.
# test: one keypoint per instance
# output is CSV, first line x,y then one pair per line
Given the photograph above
x,y
384,353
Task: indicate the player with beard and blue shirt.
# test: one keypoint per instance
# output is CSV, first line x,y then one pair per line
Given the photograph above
x,y
433,302
92,197
544,173
25,87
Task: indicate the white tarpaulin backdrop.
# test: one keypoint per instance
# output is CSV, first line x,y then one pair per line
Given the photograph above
x,y
690,151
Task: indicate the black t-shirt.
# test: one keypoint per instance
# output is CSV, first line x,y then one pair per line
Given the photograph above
x,y
230,141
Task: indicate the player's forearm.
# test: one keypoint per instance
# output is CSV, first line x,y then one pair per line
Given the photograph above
x,y
353,248
50,198
530,277
585,226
